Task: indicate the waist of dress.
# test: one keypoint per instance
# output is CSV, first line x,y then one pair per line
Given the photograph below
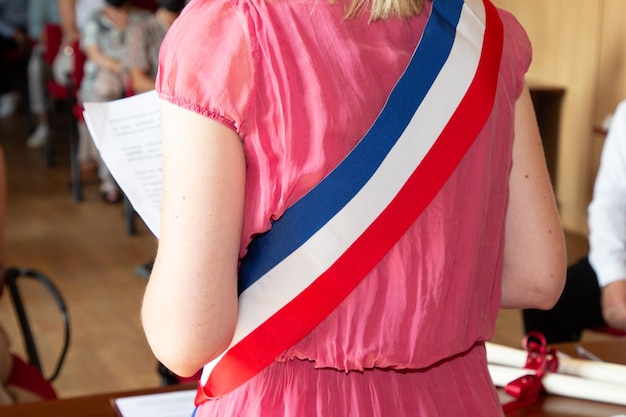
x,y
378,361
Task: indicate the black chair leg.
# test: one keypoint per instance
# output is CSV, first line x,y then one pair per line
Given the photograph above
x,y
129,216
48,152
74,165
167,377
10,279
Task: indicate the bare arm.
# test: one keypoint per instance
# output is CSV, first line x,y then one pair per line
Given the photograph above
x,y
190,305
141,81
534,249
67,15
95,54
614,304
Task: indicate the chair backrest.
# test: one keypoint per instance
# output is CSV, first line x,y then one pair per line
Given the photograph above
x,y
53,37
11,277
149,5
27,383
76,76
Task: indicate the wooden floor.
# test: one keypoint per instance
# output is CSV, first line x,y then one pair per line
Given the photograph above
x,y
84,248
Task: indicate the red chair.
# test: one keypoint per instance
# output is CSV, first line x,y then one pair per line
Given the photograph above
x,y
68,94
51,44
74,80
28,378
31,374
53,36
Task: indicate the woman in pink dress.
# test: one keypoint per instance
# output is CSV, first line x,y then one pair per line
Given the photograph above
x,y
262,100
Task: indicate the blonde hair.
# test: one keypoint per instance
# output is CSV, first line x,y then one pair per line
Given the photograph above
x,y
385,9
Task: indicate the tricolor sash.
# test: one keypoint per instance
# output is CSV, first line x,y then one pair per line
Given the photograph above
x,y
297,273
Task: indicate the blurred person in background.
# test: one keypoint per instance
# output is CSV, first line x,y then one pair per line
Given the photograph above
x,y
40,13
13,37
103,41
144,43
607,222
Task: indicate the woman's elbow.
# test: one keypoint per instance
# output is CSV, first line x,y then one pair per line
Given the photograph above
x,y
184,349
538,288
549,293
178,364
184,357
555,273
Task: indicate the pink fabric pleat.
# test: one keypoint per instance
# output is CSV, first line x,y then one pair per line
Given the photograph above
x,y
453,388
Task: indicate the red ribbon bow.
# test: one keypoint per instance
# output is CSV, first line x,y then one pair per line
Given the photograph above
x,y
527,389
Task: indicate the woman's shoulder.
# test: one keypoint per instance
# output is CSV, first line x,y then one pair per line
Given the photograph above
x,y
212,39
202,19
517,55
514,31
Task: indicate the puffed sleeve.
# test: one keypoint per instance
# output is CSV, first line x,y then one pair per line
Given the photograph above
x,y
206,62
518,50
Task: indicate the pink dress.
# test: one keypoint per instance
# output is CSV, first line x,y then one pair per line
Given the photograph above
x,y
301,85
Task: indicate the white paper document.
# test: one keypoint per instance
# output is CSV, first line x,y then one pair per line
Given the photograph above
x,y
127,132
169,404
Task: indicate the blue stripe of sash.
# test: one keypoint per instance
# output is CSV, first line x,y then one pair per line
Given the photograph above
x,y
326,199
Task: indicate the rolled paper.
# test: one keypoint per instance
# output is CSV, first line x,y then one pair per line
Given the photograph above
x,y
583,368
564,385
505,355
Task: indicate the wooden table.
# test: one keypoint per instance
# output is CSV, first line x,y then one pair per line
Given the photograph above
x,y
549,406
613,351
89,406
